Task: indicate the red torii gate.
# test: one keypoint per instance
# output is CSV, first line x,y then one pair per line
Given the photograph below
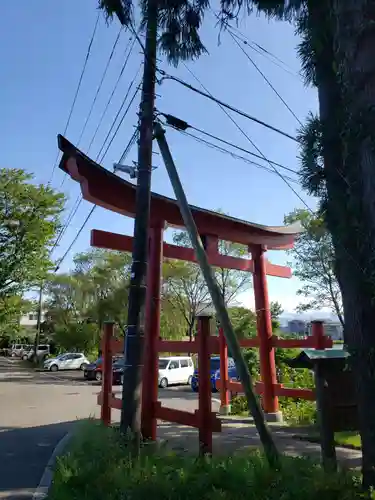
x,y
109,191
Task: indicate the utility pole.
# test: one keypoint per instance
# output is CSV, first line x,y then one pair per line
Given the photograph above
x,y
38,323
133,350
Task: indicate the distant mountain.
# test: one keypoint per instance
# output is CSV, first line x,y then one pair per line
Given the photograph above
x,y
307,316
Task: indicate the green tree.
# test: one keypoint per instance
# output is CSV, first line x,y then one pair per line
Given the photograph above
x,y
29,220
276,311
95,291
11,309
243,321
314,264
185,289
337,158
77,337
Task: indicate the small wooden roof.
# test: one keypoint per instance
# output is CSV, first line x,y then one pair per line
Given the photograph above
x,y
109,191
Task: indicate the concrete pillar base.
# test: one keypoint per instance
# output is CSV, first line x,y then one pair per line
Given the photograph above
x,y
225,410
276,417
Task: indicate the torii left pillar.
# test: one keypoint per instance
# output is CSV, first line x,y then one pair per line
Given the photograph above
x,y
152,329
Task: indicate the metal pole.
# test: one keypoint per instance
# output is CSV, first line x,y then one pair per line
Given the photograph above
x,y
38,324
217,298
133,350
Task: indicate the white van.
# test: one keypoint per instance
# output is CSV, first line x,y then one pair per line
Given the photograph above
x,y
175,370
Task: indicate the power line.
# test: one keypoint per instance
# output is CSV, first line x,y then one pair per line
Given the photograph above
x,y
171,119
222,107
120,109
126,151
120,123
258,48
225,105
100,85
227,151
77,92
131,44
79,199
235,39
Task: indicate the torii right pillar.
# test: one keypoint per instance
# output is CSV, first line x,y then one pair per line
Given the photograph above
x,y
270,402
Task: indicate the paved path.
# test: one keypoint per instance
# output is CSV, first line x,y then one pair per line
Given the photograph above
x,y
38,409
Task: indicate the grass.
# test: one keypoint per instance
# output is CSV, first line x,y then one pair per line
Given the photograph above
x,y
97,466
347,439
352,439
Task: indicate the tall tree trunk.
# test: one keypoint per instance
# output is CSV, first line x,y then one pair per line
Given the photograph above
x,y
354,43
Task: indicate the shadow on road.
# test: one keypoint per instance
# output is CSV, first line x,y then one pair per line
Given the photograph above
x,y
24,454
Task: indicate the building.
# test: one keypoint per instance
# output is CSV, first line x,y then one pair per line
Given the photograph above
x,y
297,327
30,319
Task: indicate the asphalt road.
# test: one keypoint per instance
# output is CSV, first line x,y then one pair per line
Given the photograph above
x,y
38,409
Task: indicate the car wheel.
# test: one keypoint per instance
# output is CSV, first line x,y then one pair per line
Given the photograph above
x,y
83,366
54,368
98,376
25,357
189,380
163,383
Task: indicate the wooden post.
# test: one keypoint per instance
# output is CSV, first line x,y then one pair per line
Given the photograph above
x,y
327,436
107,373
317,331
205,406
152,327
270,401
224,378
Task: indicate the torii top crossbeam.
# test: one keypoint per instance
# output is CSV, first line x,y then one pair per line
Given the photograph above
x,y
109,191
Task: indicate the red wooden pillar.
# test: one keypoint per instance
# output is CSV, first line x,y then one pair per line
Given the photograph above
x,y
224,393
317,331
152,330
107,373
205,405
270,401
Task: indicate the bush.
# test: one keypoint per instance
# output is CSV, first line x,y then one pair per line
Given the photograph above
x,y
98,466
295,411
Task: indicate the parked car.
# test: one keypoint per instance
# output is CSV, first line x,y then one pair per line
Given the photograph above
x,y
42,351
67,361
175,370
19,350
94,371
215,373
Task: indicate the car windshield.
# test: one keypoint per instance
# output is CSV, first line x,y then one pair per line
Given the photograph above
x,y
163,363
119,362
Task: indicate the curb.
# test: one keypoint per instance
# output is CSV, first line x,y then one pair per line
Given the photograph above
x,y
44,485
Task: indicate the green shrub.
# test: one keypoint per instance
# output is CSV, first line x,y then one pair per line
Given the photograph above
x,y
98,466
295,411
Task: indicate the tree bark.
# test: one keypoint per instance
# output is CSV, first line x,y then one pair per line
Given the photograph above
x,y
354,44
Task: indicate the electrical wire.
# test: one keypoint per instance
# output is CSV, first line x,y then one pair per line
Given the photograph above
x,y
227,143
77,91
127,56
228,152
258,48
222,107
100,85
235,39
124,154
166,76
120,123
120,109
79,199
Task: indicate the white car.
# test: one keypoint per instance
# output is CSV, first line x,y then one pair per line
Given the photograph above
x,y
67,361
175,370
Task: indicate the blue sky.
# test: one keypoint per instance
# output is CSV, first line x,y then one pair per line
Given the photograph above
x,y
42,49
